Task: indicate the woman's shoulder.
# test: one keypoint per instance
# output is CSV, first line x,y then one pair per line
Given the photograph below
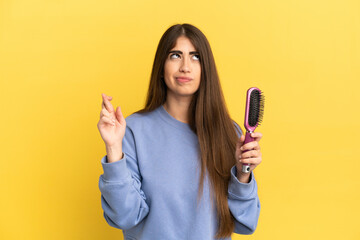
x,y
141,118
238,128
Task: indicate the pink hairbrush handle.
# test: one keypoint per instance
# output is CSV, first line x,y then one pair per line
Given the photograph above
x,y
248,138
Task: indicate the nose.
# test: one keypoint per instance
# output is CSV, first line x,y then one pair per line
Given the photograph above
x,y
185,65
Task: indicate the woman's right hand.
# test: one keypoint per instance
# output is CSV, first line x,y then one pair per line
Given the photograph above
x,y
111,125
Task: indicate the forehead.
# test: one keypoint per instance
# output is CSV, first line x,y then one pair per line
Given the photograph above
x,y
184,43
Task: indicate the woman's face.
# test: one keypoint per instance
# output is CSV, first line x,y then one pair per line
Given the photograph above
x,y
182,69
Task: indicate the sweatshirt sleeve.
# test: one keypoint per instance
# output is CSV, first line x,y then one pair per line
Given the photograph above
x,y
243,200
123,201
243,203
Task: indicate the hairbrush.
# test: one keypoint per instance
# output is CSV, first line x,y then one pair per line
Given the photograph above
x,y
254,112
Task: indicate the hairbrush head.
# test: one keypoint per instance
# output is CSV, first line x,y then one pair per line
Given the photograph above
x,y
254,110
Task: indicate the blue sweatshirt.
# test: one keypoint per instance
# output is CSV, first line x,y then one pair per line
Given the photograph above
x,y
151,193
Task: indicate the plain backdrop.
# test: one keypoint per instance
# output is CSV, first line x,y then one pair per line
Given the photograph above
x,y
57,57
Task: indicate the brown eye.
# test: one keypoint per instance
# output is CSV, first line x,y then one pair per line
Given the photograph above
x,y
174,56
196,57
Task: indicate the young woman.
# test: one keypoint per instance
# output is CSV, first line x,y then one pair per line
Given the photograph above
x,y
173,169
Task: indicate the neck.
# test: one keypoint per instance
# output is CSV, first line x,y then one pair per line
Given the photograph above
x,y
178,107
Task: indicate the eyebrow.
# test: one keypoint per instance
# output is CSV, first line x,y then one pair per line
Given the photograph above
x,y
180,52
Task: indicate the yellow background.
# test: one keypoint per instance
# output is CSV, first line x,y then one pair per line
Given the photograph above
x,y
57,57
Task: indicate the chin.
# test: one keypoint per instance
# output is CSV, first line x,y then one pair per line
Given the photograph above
x,y
187,93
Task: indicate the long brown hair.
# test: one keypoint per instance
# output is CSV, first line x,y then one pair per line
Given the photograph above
x,y
208,118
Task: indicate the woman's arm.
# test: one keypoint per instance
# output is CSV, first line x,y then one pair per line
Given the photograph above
x,y
243,199
243,203
122,199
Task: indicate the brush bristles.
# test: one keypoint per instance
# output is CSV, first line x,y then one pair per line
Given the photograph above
x,y
261,110
256,111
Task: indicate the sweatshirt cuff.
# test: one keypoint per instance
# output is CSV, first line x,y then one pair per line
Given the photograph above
x,y
238,189
115,171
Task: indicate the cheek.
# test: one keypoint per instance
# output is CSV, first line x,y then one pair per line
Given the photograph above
x,y
166,67
167,74
169,67
198,72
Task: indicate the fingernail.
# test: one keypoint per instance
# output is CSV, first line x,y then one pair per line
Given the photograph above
x,y
241,148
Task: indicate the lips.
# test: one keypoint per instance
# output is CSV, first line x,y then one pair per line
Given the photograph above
x,y
183,79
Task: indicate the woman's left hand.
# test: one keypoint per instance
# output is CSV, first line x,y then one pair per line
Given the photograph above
x,y
252,156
